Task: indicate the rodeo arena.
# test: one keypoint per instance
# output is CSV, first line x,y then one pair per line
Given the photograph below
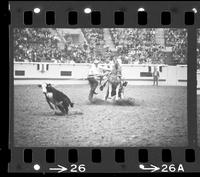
x,y
100,87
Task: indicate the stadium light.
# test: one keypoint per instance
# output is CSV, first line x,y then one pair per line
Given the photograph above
x,y
36,10
194,10
87,10
141,9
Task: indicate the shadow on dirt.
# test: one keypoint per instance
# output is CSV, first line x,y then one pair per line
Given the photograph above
x,y
121,102
126,102
76,112
97,101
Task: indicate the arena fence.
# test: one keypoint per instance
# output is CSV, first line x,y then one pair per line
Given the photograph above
x,y
61,73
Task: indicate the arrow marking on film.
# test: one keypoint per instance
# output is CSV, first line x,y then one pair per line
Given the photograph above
x,y
153,168
60,169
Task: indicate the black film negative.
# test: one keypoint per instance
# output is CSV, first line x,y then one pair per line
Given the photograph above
x,y
104,87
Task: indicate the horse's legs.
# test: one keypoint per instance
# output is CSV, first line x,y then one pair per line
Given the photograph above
x,y
117,92
106,97
122,93
109,90
122,90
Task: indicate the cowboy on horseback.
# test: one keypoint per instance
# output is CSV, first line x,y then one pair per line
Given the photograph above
x,y
114,78
113,74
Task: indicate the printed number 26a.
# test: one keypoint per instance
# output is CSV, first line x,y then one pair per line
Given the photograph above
x,y
172,168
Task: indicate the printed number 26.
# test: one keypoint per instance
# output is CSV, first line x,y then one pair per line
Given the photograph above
x,y
77,168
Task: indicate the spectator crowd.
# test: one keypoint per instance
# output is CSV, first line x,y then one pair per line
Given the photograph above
x,y
34,45
132,45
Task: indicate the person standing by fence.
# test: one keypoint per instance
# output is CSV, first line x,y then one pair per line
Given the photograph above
x,y
156,76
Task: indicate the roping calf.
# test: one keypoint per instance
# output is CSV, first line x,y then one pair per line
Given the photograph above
x,y
57,98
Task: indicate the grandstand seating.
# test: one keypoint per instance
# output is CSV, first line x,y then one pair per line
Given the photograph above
x,y
133,45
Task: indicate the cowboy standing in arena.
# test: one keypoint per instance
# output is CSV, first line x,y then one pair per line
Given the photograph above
x,y
93,75
156,76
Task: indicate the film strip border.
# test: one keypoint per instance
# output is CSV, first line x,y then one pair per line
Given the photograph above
x,y
105,14
111,14
93,160
118,17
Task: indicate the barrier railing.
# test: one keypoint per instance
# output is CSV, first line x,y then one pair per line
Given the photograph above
x,y
136,74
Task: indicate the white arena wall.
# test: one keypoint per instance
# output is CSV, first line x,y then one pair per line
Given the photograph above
x,y
60,73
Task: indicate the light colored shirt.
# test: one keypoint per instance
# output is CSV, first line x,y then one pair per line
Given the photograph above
x,y
94,71
156,73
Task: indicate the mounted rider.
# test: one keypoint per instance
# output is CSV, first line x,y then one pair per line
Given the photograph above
x,y
115,76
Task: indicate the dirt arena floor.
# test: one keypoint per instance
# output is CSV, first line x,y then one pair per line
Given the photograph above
x,y
159,118
198,118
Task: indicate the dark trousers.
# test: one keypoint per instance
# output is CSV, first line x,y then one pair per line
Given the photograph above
x,y
93,83
155,80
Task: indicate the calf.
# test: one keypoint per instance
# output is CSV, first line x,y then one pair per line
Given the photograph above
x,y
57,98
